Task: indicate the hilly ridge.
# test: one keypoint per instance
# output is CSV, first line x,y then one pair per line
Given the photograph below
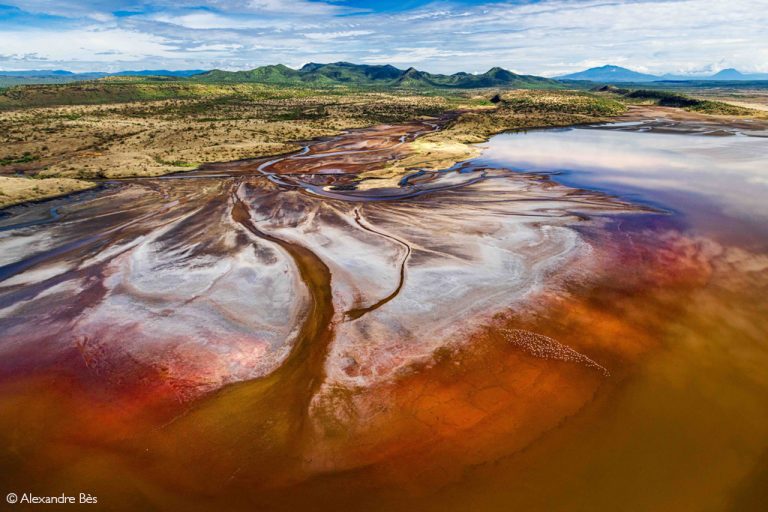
x,y
345,73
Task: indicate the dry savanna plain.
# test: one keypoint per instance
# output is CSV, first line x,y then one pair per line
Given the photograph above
x,y
58,139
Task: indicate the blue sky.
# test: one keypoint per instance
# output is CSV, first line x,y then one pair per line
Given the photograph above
x,y
545,37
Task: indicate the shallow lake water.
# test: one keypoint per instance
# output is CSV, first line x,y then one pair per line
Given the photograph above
x,y
688,429
710,182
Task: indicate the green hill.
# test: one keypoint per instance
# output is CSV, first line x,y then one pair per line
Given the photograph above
x,y
361,75
265,74
266,80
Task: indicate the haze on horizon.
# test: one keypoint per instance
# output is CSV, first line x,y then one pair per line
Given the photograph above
x,y
546,37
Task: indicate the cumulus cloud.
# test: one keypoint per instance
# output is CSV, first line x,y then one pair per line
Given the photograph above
x,y
87,44
540,37
327,36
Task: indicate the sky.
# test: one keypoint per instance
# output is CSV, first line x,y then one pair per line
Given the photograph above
x,y
542,37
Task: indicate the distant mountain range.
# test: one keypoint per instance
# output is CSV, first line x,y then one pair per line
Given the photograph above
x,y
97,74
609,74
617,74
345,73
60,76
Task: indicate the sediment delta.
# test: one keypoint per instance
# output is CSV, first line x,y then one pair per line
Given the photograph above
x,y
369,319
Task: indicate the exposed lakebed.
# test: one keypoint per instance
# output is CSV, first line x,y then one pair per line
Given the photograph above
x,y
572,305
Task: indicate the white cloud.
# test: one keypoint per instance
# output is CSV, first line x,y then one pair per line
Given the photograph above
x,y
328,36
295,7
92,45
209,20
548,37
406,56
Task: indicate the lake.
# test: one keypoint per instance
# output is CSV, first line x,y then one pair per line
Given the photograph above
x,y
574,320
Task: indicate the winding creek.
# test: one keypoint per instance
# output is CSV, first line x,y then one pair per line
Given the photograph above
x,y
574,320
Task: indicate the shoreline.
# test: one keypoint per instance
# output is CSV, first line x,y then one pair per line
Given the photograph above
x,y
24,191
441,149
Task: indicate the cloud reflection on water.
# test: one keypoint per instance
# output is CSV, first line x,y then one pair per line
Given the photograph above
x,y
693,171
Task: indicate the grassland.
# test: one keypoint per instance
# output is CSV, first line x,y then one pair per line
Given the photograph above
x,y
701,100
746,97
126,127
15,190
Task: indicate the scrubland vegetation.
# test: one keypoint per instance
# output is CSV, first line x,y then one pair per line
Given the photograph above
x,y
141,138
125,127
531,109
678,100
18,190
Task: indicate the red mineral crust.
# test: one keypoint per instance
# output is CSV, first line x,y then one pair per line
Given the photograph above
x,y
265,334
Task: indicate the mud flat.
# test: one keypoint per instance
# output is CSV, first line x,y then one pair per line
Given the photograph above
x,y
299,331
